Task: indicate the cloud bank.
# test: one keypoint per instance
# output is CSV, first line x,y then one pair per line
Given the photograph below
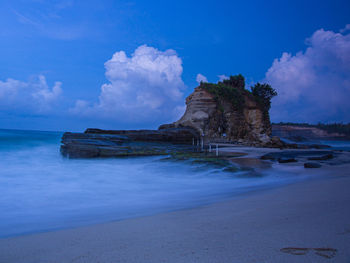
x,y
34,96
145,87
313,85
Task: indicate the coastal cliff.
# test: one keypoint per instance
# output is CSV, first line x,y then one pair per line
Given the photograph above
x,y
226,112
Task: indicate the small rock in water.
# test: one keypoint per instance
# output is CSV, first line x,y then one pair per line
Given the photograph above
x,y
322,158
319,146
287,160
312,165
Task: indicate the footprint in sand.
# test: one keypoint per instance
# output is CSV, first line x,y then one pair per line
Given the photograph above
x,y
323,252
295,250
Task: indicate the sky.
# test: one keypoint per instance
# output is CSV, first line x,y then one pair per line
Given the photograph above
x,y
67,65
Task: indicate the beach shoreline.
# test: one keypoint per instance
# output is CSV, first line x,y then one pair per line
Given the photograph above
x,y
256,227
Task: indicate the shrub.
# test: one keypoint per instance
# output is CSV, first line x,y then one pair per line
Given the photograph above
x,y
231,89
236,81
264,93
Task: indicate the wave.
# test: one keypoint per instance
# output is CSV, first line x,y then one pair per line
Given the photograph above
x,y
42,191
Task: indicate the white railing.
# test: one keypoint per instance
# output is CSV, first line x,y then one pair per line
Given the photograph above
x,y
212,147
216,148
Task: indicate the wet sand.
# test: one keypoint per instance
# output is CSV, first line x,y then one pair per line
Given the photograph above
x,y
303,222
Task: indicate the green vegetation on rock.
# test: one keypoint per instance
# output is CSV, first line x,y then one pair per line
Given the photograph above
x,y
233,90
264,93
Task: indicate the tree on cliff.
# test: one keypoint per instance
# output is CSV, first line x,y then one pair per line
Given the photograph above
x,y
264,93
236,81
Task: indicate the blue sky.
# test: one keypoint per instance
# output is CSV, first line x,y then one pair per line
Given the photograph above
x,y
57,71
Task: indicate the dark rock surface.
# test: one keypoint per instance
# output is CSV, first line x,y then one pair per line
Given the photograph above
x,y
113,143
312,165
302,146
294,154
287,160
181,135
276,142
319,146
322,158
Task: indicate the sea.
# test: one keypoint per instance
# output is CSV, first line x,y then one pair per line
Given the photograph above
x,y
42,191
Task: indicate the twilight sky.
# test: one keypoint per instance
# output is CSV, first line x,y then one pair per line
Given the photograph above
x,y
69,65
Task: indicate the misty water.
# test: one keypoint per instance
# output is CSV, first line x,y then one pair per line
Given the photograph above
x,y
41,190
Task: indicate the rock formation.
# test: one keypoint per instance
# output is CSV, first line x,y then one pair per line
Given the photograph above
x,y
216,118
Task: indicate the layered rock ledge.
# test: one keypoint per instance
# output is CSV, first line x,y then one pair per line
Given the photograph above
x,y
118,143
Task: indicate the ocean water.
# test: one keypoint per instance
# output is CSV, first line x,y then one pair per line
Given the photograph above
x,y
338,145
42,191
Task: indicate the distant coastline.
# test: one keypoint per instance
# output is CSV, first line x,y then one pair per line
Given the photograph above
x,y
337,128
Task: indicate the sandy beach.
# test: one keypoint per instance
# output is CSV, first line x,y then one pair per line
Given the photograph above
x,y
265,226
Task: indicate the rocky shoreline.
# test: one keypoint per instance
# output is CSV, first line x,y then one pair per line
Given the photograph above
x,y
184,144
94,143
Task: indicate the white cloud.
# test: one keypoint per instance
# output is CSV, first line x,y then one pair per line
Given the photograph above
x,y
313,85
200,78
144,87
49,20
346,28
33,96
222,77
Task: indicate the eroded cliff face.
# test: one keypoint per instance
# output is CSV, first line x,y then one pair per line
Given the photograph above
x,y
218,120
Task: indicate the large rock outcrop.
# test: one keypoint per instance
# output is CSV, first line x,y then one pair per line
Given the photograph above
x,y
216,119
222,112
